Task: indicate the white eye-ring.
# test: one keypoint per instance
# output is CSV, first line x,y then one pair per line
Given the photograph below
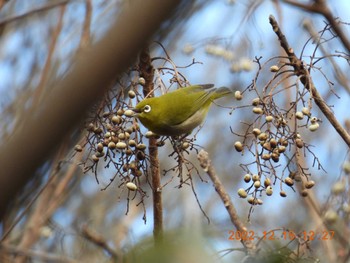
x,y
147,108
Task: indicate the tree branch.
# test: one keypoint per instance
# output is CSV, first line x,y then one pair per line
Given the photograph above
x,y
62,109
42,256
99,241
205,163
321,7
147,72
306,80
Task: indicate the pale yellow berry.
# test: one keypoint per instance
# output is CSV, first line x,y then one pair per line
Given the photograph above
x,y
256,101
253,201
269,118
274,68
273,143
121,145
266,156
346,167
131,94
120,112
141,146
188,48
309,184
142,81
275,156
185,145
256,177
90,127
256,131
257,184
238,146
263,136
283,142
131,186
111,145
281,149
247,178
100,154
289,181
242,193
116,119
121,136
149,134
314,127
299,115
338,188
129,113
238,95
313,119
267,182
283,194
132,143
46,232
331,216
269,190
299,143
246,64
346,208
94,158
305,111
258,110
78,148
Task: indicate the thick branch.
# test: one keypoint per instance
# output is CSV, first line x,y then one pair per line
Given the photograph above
x,y
205,163
147,72
46,125
41,256
306,80
320,7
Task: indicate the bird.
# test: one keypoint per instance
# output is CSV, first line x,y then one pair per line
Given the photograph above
x,y
180,111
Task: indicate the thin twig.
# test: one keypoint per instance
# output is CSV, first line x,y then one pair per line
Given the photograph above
x,y
205,163
34,11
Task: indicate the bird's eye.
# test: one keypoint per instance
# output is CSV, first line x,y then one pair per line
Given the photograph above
x,y
147,108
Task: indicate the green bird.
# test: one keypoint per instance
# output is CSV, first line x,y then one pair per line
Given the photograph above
x,y
180,111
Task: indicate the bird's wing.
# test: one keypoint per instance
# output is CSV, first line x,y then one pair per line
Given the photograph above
x,y
200,96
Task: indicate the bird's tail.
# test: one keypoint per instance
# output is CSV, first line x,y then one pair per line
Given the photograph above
x,y
221,92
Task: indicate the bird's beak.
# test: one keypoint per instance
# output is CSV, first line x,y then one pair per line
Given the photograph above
x,y
136,111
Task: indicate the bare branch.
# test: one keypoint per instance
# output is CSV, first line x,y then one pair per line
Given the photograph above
x,y
98,240
32,12
306,80
322,8
205,163
147,72
62,109
35,254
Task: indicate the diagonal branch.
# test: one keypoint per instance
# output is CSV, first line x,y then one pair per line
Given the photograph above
x,y
321,7
306,80
62,109
205,163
